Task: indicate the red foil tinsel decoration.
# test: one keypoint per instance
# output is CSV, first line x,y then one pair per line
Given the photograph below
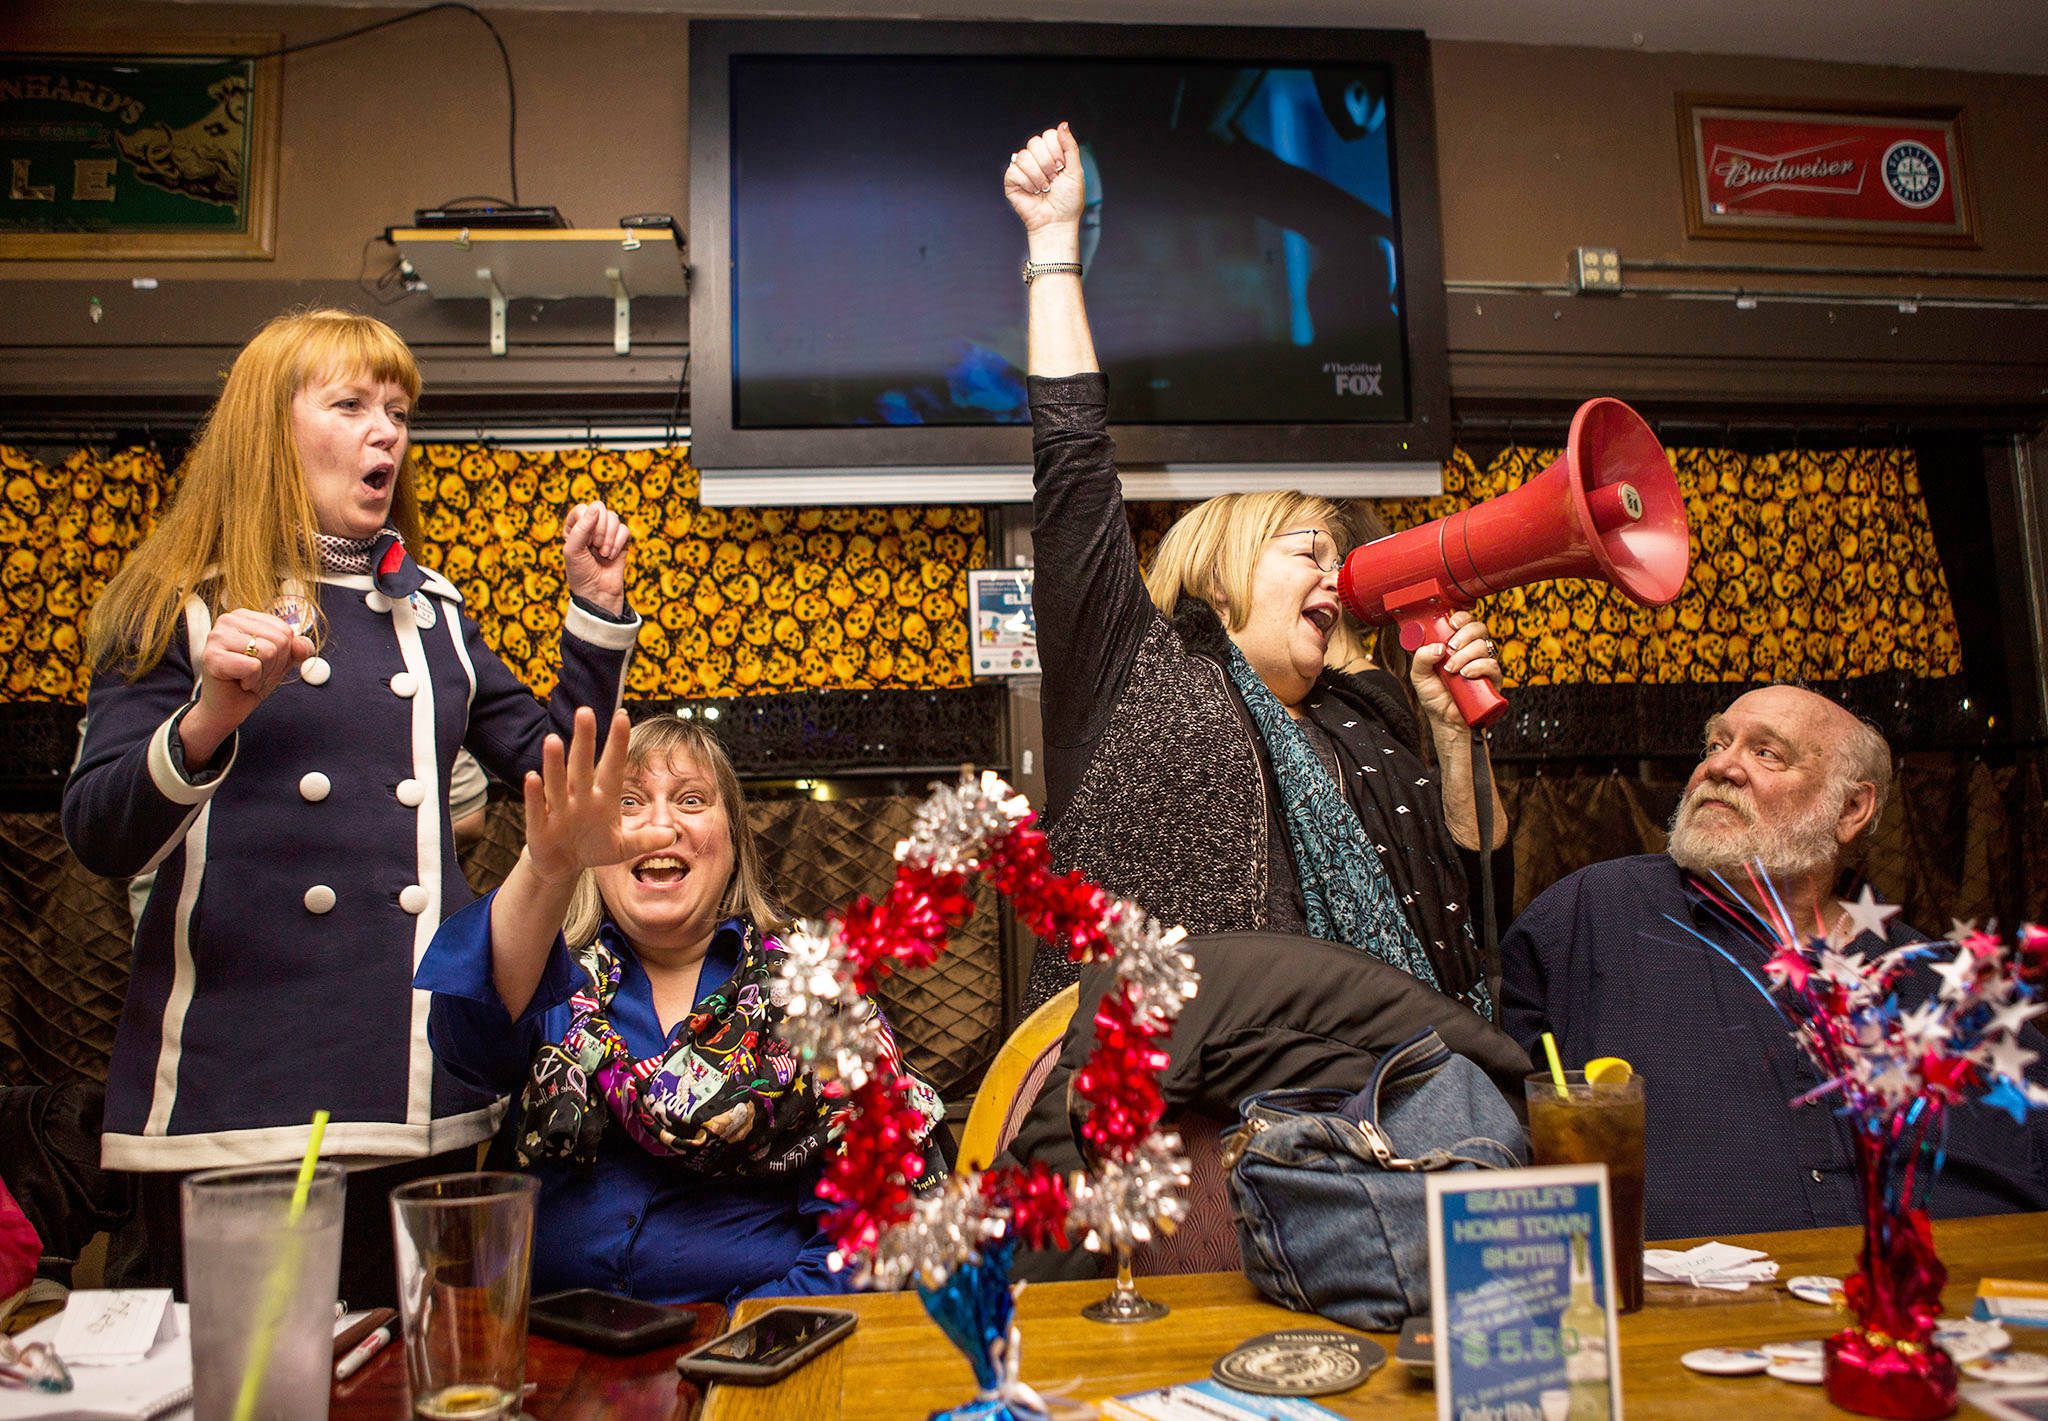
x,y
1120,1080
2032,947
1876,1377
1037,1201
909,927
1888,1364
868,1177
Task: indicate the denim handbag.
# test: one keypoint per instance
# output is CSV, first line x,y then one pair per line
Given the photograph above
x,y
1326,1187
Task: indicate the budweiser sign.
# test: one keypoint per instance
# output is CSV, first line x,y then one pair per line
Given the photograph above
x,y
1795,172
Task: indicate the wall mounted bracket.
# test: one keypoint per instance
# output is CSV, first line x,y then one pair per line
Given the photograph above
x,y
552,264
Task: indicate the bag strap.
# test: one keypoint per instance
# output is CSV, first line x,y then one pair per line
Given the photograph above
x,y
1421,1053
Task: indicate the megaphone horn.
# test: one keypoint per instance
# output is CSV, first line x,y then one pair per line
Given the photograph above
x,y
1608,509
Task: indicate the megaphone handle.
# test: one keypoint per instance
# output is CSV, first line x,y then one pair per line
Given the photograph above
x,y
1477,701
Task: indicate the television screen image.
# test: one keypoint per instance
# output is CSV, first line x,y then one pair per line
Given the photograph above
x,y
1241,239
1264,263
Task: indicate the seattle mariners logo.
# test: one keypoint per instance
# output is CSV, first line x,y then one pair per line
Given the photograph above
x,y
1912,173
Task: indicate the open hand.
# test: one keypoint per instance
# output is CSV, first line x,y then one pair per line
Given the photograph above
x,y
1470,653
594,545
572,804
1044,183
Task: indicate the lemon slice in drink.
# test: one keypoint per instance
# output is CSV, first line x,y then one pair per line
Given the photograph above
x,y
1608,1070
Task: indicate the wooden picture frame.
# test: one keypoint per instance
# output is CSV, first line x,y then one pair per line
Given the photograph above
x,y
1807,170
152,146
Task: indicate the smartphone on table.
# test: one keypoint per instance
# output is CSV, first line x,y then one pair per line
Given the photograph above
x,y
606,1322
770,1347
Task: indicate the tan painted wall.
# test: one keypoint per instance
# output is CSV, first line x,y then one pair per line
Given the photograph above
x,y
415,115
1541,150
1544,150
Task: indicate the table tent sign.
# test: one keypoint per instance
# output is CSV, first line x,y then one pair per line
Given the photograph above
x,y
1521,1279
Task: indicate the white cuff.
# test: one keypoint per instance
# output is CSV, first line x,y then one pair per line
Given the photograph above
x,y
163,769
608,636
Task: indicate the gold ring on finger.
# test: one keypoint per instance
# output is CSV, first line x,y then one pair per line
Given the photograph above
x,y
250,649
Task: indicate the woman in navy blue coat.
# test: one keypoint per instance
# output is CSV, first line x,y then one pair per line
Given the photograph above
x,y
280,695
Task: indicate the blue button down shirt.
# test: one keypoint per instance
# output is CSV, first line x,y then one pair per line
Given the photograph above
x,y
635,1223
1596,961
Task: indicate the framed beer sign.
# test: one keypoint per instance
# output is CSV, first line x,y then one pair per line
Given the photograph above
x,y
153,146
1793,170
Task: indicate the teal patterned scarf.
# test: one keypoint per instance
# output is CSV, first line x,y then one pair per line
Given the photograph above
x,y
1343,884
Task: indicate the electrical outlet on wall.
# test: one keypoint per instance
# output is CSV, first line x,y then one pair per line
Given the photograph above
x,y
1597,270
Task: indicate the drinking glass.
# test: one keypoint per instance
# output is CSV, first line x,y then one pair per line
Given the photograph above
x,y
1598,1123
262,1286
1124,1303
465,1266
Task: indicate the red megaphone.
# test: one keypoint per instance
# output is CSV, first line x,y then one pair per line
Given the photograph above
x,y
1608,509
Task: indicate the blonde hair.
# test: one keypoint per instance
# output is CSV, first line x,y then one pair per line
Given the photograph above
x,y
242,522
1209,552
661,739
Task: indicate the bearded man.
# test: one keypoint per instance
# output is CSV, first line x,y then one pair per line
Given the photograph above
x,y
1616,960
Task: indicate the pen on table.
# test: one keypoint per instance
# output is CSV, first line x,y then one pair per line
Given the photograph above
x,y
346,1338
372,1343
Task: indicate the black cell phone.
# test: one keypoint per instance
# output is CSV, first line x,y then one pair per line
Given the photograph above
x,y
1417,1348
606,1322
770,1347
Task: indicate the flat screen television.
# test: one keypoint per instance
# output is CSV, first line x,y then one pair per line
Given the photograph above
x,y
1264,271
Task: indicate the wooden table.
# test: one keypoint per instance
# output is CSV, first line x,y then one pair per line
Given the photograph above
x,y
896,1365
569,1384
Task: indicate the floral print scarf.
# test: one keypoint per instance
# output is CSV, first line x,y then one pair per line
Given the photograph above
x,y
726,1095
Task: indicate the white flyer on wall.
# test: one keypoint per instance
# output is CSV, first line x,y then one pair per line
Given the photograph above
x,y
1002,631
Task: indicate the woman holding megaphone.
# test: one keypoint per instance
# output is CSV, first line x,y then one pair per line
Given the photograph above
x,y
1199,759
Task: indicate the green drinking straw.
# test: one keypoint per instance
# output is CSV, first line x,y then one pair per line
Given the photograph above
x,y
1556,1077
284,1276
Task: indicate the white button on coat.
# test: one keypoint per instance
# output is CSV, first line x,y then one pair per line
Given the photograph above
x,y
316,671
319,898
314,787
410,794
404,685
376,601
413,898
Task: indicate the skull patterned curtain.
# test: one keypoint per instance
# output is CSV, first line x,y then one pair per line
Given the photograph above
x,y
735,601
1814,565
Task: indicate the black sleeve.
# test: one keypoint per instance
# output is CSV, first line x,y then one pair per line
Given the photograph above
x,y
1088,598
1271,1012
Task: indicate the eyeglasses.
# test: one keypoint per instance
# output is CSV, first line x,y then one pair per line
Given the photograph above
x,y
1321,546
32,1366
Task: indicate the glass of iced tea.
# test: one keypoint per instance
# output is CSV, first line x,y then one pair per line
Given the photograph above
x,y
1598,1122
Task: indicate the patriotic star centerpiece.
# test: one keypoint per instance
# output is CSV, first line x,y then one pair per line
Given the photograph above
x,y
1896,1053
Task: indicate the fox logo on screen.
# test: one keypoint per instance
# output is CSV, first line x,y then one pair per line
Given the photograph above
x,y
1356,379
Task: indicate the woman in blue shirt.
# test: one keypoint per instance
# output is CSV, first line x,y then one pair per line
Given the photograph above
x,y
621,983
